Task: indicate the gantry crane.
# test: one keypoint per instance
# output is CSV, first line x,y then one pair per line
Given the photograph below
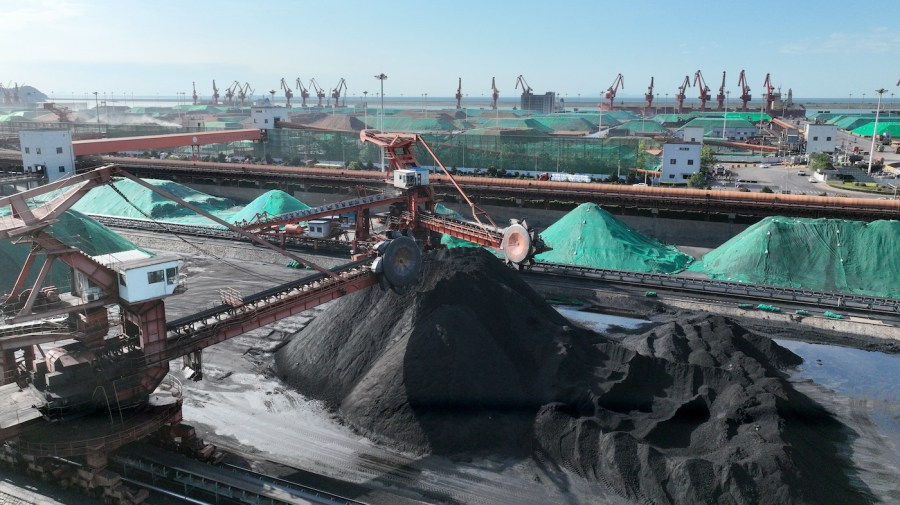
x,y
611,91
745,90
648,98
720,98
194,95
336,92
459,94
495,93
7,94
287,92
320,93
680,96
704,95
215,94
304,92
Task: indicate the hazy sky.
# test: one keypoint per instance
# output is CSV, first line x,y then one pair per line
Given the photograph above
x,y
824,48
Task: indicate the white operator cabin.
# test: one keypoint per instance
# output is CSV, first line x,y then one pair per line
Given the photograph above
x,y
821,138
264,118
680,160
410,178
142,276
48,152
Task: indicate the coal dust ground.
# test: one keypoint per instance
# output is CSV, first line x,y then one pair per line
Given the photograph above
x,y
471,362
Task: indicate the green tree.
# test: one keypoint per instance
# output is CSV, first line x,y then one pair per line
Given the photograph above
x,y
631,178
354,165
698,180
820,161
766,189
707,159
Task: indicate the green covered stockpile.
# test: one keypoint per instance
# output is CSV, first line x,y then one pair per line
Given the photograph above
x,y
819,254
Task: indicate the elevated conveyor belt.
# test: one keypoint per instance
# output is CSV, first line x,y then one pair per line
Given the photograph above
x,y
726,289
472,232
240,315
344,206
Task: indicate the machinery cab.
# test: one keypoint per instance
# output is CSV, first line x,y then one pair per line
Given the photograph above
x,y
408,178
142,276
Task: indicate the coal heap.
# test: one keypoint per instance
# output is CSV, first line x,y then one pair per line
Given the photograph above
x,y
473,361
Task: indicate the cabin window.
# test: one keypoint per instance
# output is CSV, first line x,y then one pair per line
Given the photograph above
x,y
62,169
59,150
690,162
27,150
122,279
38,150
171,275
154,277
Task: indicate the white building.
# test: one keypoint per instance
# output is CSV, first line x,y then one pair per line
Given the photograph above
x,y
264,118
680,160
142,276
820,138
692,134
48,152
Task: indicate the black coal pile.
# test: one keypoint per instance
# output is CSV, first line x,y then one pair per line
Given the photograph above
x,y
473,361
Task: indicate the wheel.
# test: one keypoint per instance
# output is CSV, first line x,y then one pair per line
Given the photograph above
x,y
402,262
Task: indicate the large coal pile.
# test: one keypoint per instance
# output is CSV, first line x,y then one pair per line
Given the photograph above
x,y
472,361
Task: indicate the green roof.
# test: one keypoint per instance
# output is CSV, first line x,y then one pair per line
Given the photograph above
x,y
709,124
893,128
640,125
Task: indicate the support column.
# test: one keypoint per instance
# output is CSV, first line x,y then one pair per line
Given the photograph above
x,y
8,366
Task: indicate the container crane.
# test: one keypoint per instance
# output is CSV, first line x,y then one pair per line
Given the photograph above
x,y
700,83
720,98
495,93
194,95
320,93
336,92
287,92
648,98
679,98
770,94
745,90
215,94
459,94
304,92
611,91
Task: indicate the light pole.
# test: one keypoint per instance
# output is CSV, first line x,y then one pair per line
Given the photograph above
x,y
381,77
850,101
666,105
97,108
425,105
875,128
366,108
725,117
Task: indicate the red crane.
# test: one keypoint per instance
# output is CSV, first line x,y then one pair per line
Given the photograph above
x,y
336,92
520,81
245,92
320,93
745,90
721,96
648,98
287,92
495,93
681,96
459,94
611,91
194,96
304,92
215,95
700,83
229,93
770,93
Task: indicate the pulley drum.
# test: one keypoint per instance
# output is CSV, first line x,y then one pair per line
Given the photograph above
x,y
402,261
516,243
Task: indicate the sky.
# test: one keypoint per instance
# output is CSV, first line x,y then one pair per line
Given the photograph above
x,y
823,48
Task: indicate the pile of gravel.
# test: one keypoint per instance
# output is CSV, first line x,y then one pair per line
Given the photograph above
x,y
473,361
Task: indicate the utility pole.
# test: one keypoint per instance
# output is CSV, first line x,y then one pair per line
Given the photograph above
x,y
875,128
381,77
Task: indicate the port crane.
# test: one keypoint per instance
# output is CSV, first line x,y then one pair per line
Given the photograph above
x,y
61,112
7,94
288,94
770,95
245,93
720,98
611,91
459,94
194,96
229,93
704,95
215,94
495,93
521,82
304,92
320,93
680,96
745,90
336,92
648,98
